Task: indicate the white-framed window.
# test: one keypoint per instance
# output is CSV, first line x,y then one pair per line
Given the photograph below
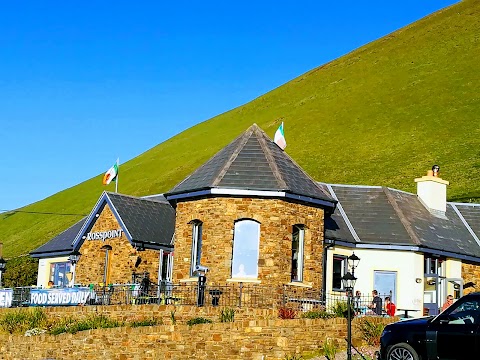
x,y
339,269
59,272
196,246
246,242
166,266
298,239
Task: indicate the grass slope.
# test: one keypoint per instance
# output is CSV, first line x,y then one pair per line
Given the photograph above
x,y
381,115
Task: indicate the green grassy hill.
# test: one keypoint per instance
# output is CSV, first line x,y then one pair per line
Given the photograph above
x,y
381,115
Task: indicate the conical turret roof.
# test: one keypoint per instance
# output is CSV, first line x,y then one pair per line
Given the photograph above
x,y
252,164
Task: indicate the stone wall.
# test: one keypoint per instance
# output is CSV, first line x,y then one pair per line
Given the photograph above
x,y
276,218
471,272
249,337
122,257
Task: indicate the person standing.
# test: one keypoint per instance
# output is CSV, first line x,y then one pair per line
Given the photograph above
x,y
376,305
390,307
448,302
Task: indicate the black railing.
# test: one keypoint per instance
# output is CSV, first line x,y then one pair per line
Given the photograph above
x,y
233,295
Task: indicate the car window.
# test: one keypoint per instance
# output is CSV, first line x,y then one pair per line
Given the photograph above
x,y
467,312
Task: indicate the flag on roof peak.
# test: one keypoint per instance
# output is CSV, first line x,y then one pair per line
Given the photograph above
x,y
111,174
279,138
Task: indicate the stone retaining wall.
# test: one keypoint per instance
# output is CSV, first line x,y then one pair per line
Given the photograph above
x,y
262,337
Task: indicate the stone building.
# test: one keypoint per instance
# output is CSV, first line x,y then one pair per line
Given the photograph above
x,y
251,215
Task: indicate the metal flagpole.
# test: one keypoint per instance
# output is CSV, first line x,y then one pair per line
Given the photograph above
x,y
118,173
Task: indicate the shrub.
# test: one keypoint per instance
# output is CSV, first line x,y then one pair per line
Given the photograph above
x,y
72,326
19,321
198,320
146,322
287,313
371,330
172,317
227,315
340,309
317,314
330,348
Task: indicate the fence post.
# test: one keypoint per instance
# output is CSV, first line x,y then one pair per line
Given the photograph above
x,y
284,296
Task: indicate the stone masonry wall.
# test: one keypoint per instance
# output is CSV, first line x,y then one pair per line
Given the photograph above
x,y
276,219
122,257
267,339
471,272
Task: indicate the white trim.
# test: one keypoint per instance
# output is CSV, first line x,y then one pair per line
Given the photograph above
x,y
299,284
218,191
389,247
454,207
344,214
238,280
463,204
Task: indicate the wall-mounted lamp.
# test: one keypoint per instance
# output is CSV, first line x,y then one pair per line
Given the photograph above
x,y
418,280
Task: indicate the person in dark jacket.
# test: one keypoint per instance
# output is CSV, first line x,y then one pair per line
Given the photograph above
x,y
376,305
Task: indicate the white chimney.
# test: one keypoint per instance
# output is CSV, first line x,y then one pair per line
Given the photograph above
x,y
432,191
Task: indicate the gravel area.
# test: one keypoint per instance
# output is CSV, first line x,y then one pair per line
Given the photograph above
x,y
367,351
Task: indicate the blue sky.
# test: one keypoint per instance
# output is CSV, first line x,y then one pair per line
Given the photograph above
x,y
82,83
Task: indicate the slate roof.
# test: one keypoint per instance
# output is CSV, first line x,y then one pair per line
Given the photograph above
x,y
253,162
60,245
149,223
389,218
147,220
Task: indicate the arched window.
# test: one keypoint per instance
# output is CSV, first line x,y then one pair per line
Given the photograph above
x,y
246,240
298,239
196,246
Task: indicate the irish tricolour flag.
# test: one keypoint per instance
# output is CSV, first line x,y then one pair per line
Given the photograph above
x,y
111,174
279,138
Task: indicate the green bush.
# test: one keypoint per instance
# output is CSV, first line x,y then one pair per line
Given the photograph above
x,y
330,348
72,326
198,320
315,314
21,271
19,321
227,315
146,322
371,330
340,309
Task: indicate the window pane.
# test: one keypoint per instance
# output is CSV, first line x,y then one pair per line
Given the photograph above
x,y
297,253
245,249
196,247
339,263
58,273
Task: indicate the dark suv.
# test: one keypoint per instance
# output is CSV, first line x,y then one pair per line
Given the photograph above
x,y
452,335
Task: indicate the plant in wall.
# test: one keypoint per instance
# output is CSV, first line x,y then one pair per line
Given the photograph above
x,y
330,348
287,313
198,320
227,315
172,317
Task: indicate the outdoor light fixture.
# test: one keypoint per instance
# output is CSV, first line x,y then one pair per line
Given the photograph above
x,y
3,265
418,280
348,282
353,261
436,170
74,257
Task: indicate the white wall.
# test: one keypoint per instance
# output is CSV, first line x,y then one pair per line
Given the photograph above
x,y
408,266
44,269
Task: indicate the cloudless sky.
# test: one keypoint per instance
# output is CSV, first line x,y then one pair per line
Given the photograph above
x,y
85,82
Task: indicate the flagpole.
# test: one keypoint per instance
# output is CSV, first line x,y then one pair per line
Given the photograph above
x,y
118,174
